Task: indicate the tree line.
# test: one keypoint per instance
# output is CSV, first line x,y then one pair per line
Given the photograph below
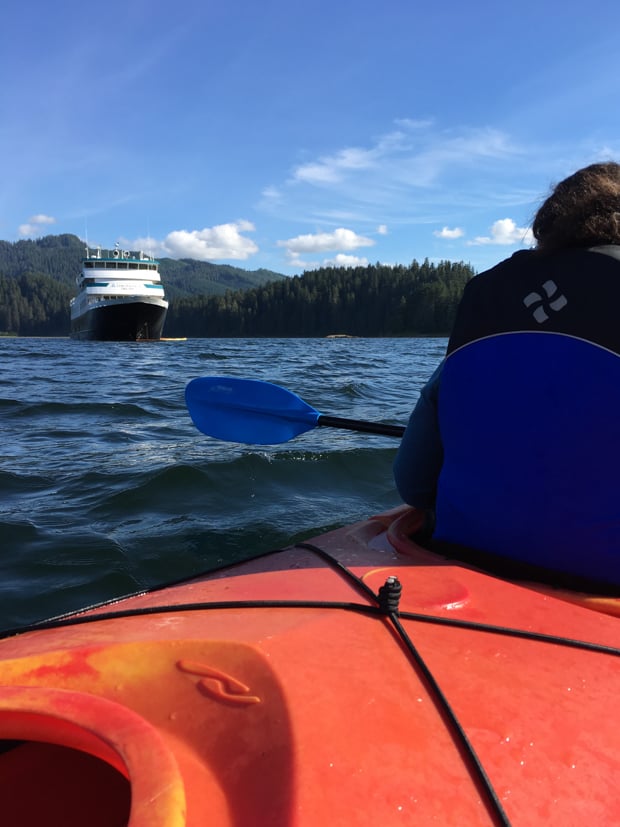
x,y
34,305
376,300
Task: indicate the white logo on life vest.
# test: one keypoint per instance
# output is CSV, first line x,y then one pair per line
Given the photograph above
x,y
552,301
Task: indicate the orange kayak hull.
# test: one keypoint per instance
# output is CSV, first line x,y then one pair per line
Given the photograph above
x,y
281,691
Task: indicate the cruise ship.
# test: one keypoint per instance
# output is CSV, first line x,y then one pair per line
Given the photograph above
x,y
120,297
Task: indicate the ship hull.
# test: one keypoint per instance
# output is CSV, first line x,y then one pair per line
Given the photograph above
x,y
121,322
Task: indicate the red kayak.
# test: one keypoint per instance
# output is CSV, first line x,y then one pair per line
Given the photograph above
x,y
354,679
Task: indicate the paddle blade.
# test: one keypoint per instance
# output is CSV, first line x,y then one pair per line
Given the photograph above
x,y
247,410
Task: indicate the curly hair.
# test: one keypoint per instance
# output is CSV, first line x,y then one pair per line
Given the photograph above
x,y
583,210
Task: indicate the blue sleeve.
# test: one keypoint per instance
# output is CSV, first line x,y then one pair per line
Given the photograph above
x,y
420,456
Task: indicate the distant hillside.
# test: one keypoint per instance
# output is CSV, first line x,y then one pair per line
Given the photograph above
x,y
60,258
188,277
37,281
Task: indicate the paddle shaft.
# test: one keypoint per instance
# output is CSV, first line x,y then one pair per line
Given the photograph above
x,y
360,425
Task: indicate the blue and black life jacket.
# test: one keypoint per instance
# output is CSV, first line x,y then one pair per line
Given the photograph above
x,y
530,424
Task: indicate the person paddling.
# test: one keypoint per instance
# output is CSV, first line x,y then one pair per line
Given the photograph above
x,y
514,443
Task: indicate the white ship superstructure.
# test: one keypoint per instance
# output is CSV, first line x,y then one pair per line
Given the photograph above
x,y
120,297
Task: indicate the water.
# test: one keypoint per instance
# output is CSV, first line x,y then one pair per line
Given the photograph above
x,y
106,487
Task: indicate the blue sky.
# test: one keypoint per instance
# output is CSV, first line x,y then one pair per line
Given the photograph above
x,y
287,134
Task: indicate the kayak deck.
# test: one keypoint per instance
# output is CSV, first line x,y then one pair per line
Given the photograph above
x,y
283,691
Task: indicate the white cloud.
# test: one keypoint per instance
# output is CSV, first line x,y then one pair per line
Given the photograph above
x,y
338,240
505,231
146,243
224,241
35,225
339,260
446,232
382,229
344,260
294,260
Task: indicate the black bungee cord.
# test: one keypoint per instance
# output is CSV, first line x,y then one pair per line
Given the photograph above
x,y
384,605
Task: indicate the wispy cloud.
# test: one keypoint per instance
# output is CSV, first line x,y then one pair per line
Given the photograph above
x,y
407,175
332,169
271,194
417,157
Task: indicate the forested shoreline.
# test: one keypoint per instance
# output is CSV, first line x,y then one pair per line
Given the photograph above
x,y
375,300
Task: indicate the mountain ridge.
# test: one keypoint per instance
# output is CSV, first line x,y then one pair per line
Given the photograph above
x,y
60,257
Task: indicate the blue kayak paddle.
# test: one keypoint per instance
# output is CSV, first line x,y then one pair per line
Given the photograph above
x,y
259,413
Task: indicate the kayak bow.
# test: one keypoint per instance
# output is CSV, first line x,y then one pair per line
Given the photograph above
x,y
354,679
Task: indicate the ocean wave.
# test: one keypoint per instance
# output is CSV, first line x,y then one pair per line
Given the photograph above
x,y
13,484
107,486
87,409
212,357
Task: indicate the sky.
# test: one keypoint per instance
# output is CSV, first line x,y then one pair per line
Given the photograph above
x,y
291,135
